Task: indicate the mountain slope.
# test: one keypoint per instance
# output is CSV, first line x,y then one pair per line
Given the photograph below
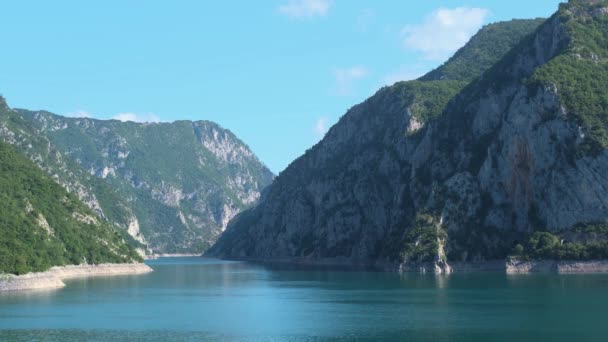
x,y
521,150
172,186
484,49
42,225
352,196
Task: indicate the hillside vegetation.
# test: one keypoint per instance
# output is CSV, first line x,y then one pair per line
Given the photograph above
x,y
172,186
42,225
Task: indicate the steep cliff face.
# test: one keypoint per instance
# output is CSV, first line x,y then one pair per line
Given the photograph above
x,y
346,194
172,186
461,164
526,145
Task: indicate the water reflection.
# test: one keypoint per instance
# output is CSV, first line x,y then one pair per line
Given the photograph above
x,y
19,296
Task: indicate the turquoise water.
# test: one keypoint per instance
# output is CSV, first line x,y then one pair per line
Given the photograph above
x,y
200,299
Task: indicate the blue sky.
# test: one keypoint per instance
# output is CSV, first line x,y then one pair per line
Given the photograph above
x,y
277,73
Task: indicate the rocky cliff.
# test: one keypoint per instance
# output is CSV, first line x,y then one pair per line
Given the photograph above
x,y
507,138
172,186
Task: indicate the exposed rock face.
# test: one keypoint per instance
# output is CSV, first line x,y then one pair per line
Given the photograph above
x,y
516,143
491,163
172,186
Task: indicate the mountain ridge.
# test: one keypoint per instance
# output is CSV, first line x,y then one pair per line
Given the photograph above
x,y
172,186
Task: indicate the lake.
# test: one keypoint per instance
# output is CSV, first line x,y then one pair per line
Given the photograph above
x,y
197,299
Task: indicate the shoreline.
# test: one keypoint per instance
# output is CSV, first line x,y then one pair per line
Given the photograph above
x,y
510,267
171,255
53,278
556,266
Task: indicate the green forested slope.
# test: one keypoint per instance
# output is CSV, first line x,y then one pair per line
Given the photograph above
x,y
41,225
580,72
484,49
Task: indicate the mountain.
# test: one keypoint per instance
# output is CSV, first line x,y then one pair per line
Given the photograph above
x,y
483,50
500,151
172,186
42,225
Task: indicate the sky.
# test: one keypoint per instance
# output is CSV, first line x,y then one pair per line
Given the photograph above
x,y
277,73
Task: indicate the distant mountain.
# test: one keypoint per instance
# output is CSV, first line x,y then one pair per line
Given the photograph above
x,y
42,225
172,186
500,151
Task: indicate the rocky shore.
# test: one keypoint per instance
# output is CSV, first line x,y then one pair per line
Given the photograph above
x,y
171,255
53,278
512,266
553,266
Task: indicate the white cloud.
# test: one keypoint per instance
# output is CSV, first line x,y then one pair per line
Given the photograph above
x,y
79,114
444,31
345,79
148,117
305,8
404,73
320,127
